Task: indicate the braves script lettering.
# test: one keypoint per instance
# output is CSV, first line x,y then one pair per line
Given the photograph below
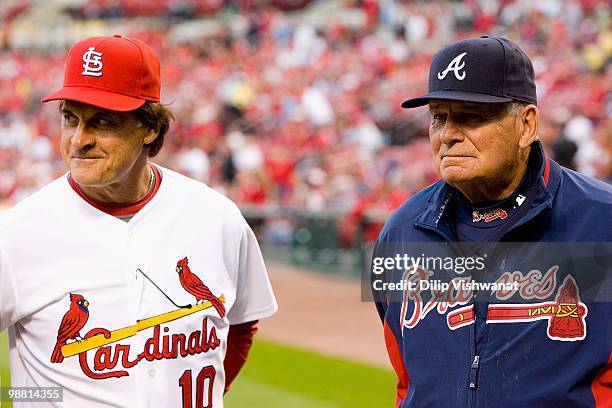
x,y
440,299
489,216
533,285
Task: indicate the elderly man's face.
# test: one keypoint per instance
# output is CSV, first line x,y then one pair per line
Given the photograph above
x,y
100,146
472,142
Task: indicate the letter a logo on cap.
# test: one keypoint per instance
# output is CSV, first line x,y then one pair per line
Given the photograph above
x,y
92,63
455,65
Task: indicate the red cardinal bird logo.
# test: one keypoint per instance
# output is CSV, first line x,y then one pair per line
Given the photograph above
x,y
72,322
192,284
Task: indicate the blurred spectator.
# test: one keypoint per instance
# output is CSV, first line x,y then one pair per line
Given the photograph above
x,y
564,151
302,111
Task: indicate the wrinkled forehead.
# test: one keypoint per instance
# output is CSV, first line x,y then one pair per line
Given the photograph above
x,y
85,110
462,106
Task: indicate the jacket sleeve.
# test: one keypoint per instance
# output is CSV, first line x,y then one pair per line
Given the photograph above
x,y
380,300
394,345
389,318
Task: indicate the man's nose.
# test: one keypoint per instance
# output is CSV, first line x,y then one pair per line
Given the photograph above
x,y
450,133
82,137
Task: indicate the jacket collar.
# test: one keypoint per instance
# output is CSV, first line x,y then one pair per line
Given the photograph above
x,y
437,215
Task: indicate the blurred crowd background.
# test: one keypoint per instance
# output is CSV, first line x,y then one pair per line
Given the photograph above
x,y
293,106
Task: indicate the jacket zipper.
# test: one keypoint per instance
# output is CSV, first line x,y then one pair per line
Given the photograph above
x,y
473,372
474,350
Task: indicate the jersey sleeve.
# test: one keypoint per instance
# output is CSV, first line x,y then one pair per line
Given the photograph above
x,y
239,342
254,296
8,297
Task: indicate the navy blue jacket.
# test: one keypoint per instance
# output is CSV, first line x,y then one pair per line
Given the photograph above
x,y
541,346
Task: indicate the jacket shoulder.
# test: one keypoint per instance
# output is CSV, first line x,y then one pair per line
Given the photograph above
x,y
577,188
405,216
580,209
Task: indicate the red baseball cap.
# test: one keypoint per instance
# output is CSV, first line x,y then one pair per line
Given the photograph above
x,y
111,72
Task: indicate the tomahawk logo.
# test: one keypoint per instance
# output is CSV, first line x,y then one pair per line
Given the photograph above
x,y
92,63
455,65
566,314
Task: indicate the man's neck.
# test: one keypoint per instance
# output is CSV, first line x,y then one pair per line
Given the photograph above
x,y
125,192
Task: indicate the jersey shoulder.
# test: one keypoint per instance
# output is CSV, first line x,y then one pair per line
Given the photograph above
x,y
35,205
200,195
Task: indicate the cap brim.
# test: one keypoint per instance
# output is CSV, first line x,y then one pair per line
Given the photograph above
x,y
96,97
453,96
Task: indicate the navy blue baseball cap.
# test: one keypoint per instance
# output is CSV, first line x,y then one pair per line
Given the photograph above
x,y
485,69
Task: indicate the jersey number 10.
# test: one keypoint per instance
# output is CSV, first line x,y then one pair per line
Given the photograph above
x,y
207,373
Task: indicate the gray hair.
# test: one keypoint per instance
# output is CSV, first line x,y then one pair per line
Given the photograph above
x,y
515,107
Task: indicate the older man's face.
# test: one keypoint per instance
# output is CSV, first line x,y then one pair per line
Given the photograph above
x,y
472,142
99,146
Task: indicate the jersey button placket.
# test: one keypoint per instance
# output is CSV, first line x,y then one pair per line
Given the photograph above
x,y
135,286
134,262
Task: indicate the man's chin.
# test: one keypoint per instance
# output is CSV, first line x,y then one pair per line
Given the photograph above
x,y
454,175
86,179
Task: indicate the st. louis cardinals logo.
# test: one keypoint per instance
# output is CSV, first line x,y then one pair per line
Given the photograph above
x,y
158,347
72,323
566,314
456,65
192,284
92,63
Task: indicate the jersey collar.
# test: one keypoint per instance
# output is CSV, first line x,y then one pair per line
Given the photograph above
x,y
120,210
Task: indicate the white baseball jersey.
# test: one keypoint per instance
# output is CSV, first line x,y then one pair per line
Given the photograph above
x,y
68,269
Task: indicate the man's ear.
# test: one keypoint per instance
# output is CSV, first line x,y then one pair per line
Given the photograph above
x,y
150,136
528,122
